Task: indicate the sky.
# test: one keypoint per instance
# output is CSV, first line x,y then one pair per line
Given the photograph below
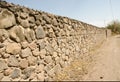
x,y
95,12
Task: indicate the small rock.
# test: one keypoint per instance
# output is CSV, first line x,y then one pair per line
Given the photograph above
x,y
31,20
33,46
23,15
31,60
36,52
39,32
1,76
27,72
23,63
15,74
5,55
39,68
3,65
42,53
24,44
8,71
26,52
12,61
1,45
41,76
7,19
13,48
28,35
7,78
25,23
48,59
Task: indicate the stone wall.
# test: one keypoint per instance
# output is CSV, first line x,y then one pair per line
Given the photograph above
x,y
35,45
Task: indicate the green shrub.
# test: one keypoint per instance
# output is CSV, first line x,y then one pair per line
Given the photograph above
x,y
114,26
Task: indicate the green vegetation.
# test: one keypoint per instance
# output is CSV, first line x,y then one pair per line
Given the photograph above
x,y
114,26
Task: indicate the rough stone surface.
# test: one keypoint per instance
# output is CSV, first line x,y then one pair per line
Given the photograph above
x,y
26,52
7,19
23,63
3,65
13,48
17,33
40,32
12,61
15,73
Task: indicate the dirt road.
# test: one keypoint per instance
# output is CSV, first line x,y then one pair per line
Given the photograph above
x,y
107,65
103,65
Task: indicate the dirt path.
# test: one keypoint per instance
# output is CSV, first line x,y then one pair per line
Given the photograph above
x,y
102,65
107,65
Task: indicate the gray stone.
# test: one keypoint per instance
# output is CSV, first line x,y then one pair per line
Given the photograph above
x,y
13,48
3,65
25,23
41,76
29,34
7,19
46,18
26,52
23,63
12,61
39,32
17,33
16,73
27,72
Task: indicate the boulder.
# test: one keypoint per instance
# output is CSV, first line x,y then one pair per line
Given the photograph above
x,y
7,19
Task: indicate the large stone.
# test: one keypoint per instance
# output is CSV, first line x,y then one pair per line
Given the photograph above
x,y
12,61
3,65
29,34
26,52
7,19
40,32
23,63
16,73
3,35
13,48
17,33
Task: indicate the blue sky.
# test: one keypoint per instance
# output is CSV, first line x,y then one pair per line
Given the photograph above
x,y
96,12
